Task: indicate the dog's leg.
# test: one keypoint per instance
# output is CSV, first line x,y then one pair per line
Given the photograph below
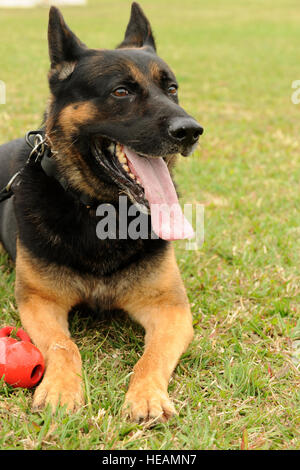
x,y
44,315
160,305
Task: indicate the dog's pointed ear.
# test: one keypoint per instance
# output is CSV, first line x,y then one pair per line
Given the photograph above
x,y
138,32
64,46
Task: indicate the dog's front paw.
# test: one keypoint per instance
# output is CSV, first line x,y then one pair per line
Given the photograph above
x,y
57,389
144,402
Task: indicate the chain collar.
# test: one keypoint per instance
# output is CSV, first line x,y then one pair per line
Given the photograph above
x,y
41,154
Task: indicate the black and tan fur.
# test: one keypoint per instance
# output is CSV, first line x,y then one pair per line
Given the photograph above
x,y
60,262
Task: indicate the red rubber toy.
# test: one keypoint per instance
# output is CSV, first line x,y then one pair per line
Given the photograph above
x,y
21,363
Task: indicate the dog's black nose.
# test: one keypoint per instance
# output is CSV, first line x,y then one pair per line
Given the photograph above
x,y
185,130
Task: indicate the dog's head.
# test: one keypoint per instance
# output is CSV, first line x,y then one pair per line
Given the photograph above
x,y
113,113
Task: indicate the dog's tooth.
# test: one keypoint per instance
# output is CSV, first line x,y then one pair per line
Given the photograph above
x,y
126,168
118,148
122,157
120,153
132,176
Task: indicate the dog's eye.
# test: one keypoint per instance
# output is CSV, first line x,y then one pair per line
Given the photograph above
x,y
172,90
120,92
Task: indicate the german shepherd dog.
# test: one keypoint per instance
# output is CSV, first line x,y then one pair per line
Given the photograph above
x,y
112,127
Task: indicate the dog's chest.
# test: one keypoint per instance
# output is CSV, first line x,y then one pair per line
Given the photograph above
x,y
100,294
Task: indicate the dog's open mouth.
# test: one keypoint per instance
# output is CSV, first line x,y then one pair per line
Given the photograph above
x,y
113,160
147,182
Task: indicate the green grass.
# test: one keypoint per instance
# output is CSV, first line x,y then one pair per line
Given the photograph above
x,y
238,383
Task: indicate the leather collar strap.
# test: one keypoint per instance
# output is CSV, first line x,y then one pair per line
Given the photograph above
x,y
50,169
7,191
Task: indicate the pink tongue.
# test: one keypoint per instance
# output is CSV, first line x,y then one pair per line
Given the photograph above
x,y
168,221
